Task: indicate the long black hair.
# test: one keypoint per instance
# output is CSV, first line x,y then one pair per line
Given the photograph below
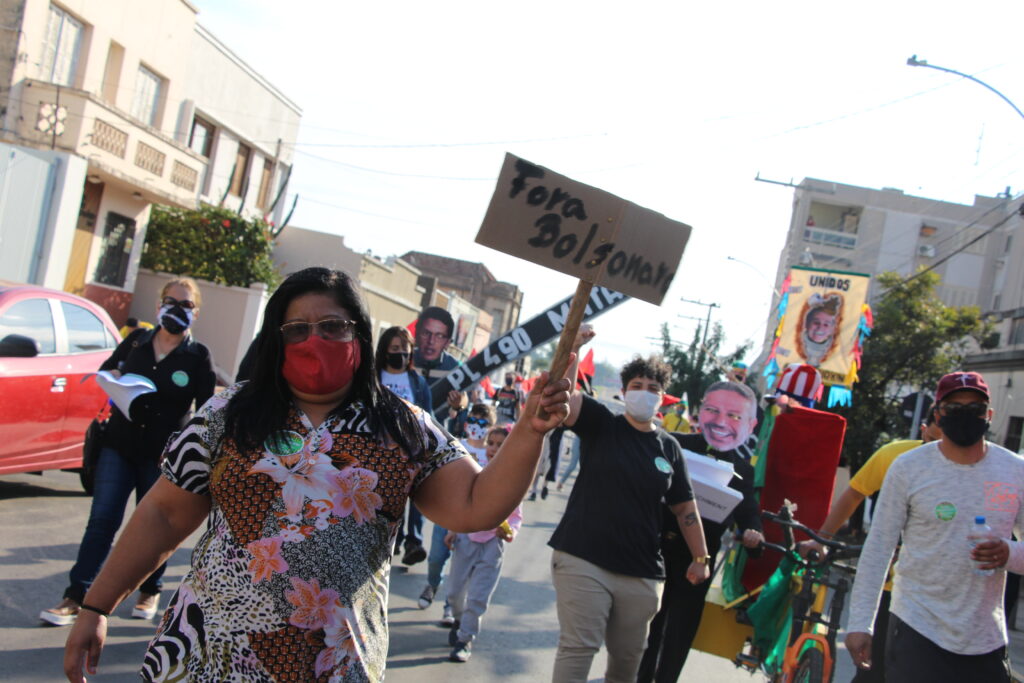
x,y
261,406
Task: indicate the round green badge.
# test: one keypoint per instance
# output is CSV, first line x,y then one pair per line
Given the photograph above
x,y
945,511
284,443
662,464
180,377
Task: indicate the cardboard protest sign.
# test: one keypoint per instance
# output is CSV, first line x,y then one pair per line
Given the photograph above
x,y
579,230
519,342
822,322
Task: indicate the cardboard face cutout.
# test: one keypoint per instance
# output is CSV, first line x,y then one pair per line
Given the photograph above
x,y
726,419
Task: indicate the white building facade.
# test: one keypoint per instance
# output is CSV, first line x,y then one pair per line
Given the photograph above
x,y
99,99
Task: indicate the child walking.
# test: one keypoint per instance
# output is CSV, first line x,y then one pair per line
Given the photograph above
x,y
481,418
476,568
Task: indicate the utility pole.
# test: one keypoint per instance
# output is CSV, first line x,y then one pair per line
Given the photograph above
x,y
707,322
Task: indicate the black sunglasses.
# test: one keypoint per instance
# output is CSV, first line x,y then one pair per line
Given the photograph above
x,y
171,301
481,421
972,409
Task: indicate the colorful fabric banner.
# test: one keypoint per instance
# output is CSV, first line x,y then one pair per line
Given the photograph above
x,y
823,321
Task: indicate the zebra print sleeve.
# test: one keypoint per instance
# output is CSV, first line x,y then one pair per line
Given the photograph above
x,y
186,461
443,447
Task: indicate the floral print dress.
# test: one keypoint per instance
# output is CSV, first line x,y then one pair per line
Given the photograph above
x,y
290,580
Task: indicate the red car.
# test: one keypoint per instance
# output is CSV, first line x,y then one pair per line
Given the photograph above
x,y
50,341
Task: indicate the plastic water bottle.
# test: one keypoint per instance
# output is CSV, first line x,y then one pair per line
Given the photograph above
x,y
980,531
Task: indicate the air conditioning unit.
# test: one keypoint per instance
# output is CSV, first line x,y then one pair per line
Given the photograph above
x,y
926,250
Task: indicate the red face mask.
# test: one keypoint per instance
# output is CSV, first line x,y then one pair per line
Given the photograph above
x,y
318,366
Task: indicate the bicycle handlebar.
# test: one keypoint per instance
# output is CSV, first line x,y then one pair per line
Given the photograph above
x,y
840,549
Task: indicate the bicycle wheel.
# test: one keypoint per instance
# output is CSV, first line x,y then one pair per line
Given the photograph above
x,y
810,668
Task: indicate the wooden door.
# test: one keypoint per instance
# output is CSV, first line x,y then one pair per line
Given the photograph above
x,y
85,231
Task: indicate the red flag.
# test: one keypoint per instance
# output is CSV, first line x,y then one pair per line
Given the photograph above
x,y
528,385
586,367
488,388
412,328
669,400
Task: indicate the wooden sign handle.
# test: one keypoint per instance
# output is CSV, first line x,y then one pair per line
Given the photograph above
x,y
560,362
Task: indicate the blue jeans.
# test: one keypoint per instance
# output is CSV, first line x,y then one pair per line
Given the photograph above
x,y
437,558
116,477
573,461
410,534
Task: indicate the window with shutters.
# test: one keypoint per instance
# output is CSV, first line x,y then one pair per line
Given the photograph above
x,y
241,169
61,46
146,102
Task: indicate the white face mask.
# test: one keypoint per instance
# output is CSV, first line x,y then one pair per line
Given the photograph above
x,y
476,432
641,405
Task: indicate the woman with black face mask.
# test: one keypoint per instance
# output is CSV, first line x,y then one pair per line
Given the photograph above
x,y
182,371
394,358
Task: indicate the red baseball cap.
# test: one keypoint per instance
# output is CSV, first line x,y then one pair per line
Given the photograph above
x,y
958,381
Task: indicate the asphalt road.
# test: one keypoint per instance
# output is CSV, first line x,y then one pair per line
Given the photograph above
x,y
42,519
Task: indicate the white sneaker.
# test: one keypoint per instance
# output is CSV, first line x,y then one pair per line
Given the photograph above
x,y
63,614
146,607
426,597
448,619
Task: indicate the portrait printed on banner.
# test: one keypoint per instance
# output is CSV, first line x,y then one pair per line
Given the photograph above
x,y
817,328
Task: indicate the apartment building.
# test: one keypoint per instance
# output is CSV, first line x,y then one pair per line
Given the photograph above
x,y
110,106
864,230
976,249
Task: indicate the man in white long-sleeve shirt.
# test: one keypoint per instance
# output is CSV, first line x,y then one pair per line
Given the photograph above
x,y
946,620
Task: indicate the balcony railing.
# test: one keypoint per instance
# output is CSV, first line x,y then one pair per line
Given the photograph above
x,y
115,144
830,238
109,138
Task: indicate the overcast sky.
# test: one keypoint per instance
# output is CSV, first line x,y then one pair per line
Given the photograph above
x,y
409,108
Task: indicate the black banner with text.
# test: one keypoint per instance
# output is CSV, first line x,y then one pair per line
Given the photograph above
x,y
519,342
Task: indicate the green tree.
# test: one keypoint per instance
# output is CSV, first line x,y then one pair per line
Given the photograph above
x,y
541,357
210,243
698,365
916,339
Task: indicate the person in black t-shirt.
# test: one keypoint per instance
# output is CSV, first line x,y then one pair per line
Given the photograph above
x,y
606,566
507,400
727,417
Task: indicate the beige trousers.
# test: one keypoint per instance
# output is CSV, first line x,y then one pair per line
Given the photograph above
x,y
597,606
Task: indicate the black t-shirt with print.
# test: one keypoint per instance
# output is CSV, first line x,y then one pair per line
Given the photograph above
x,y
614,515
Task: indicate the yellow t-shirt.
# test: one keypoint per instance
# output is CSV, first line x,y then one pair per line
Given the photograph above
x,y
675,422
869,478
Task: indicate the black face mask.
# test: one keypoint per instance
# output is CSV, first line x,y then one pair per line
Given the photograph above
x,y
175,319
963,429
398,361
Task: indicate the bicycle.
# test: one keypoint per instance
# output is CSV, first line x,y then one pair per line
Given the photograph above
x,y
799,648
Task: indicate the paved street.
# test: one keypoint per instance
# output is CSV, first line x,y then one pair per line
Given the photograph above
x,y
43,518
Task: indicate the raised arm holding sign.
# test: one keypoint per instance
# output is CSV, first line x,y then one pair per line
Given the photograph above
x,y
584,232
630,468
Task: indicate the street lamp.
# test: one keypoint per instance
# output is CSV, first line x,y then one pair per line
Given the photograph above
x,y
914,61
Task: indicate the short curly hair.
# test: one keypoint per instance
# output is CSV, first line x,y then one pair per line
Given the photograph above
x,y
652,367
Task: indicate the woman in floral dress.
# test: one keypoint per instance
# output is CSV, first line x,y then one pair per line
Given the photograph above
x,y
303,473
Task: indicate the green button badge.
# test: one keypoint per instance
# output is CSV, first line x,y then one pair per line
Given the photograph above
x,y
180,377
945,511
662,464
